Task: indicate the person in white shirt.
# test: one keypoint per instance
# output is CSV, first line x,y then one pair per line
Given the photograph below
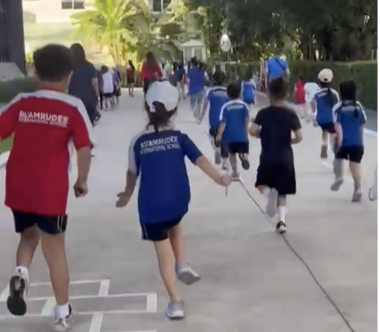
x,y
107,87
311,88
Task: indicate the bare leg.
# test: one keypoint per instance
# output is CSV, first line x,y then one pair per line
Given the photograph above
x,y
356,172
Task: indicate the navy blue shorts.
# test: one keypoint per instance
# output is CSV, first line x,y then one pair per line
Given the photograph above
x,y
159,231
213,132
48,224
352,153
249,101
327,127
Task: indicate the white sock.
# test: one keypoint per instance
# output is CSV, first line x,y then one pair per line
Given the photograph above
x,y
282,213
22,270
62,311
266,191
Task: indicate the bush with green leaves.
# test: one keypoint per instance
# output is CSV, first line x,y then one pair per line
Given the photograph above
x,y
364,73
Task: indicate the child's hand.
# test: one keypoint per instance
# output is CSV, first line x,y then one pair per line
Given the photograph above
x,y
224,180
123,200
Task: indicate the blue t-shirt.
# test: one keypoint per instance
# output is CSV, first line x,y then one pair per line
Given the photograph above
x,y
325,106
234,114
217,97
351,117
179,74
80,85
276,67
248,91
159,159
196,80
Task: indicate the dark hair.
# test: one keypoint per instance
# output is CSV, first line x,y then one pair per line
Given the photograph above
x,y
131,64
53,62
160,117
104,69
219,77
347,90
278,89
78,54
301,78
151,61
234,90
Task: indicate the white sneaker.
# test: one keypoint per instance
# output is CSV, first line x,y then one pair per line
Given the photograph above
x,y
18,290
63,324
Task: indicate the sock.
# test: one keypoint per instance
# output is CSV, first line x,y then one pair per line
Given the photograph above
x,y
266,191
282,213
24,271
357,186
62,311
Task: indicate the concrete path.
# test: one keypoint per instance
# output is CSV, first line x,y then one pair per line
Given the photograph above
x,y
319,278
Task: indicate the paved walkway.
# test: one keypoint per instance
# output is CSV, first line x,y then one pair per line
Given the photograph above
x,y
253,280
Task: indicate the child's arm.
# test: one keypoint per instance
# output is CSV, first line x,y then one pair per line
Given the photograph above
x,y
222,125
338,127
255,128
197,158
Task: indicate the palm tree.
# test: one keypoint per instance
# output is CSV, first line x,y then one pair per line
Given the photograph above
x,y
113,25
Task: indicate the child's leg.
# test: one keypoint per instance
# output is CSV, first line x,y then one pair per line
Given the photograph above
x,y
184,272
282,210
338,166
243,155
324,144
233,162
355,158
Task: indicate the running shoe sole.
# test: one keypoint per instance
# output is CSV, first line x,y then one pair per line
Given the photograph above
x,y
245,164
16,303
188,278
336,185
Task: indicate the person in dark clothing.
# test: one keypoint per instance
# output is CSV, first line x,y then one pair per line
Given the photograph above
x,y
274,125
130,74
84,81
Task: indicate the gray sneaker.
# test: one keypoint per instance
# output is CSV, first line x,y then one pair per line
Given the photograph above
x,y
187,275
175,310
271,208
236,177
357,196
336,185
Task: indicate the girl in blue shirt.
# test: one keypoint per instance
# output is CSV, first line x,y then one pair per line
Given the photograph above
x,y
323,103
248,88
157,156
349,122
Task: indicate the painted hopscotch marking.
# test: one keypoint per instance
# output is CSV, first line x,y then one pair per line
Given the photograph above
x,y
97,316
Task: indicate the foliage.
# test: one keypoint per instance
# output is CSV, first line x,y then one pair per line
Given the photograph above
x,y
317,29
364,73
128,28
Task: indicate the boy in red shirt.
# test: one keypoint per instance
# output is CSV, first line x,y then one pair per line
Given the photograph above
x,y
299,95
45,124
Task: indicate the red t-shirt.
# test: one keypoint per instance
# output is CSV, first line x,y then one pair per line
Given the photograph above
x,y
299,92
44,124
146,73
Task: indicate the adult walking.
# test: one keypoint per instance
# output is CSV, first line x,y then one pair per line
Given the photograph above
x,y
130,74
150,71
276,67
84,81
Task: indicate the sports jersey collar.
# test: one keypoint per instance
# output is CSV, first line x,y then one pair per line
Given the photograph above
x,y
168,126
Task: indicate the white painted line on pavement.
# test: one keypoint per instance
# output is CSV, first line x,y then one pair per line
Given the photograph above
x,y
151,302
48,308
96,323
104,287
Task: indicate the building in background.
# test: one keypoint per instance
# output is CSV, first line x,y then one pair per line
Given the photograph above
x,y
12,33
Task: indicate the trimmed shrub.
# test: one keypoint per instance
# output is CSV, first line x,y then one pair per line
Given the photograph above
x,y
364,73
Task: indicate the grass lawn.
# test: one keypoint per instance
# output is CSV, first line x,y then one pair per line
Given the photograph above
x,y
6,145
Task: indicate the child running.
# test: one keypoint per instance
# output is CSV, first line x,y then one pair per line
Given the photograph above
x,y
276,177
350,120
37,181
323,103
233,129
216,97
248,88
157,154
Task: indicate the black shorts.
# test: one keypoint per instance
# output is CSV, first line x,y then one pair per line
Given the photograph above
x,y
48,224
238,148
130,80
223,148
108,95
159,231
280,176
351,153
328,127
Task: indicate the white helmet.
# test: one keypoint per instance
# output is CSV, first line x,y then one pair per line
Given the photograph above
x,y
326,75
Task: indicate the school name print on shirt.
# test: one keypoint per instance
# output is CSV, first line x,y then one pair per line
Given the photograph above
x,y
44,118
159,144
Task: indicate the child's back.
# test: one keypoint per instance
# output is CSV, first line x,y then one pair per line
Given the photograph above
x,y
217,97
234,114
248,88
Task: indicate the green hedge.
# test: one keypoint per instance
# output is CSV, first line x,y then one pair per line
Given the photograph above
x,y
364,73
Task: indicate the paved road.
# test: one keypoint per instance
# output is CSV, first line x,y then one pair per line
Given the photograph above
x,y
253,280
